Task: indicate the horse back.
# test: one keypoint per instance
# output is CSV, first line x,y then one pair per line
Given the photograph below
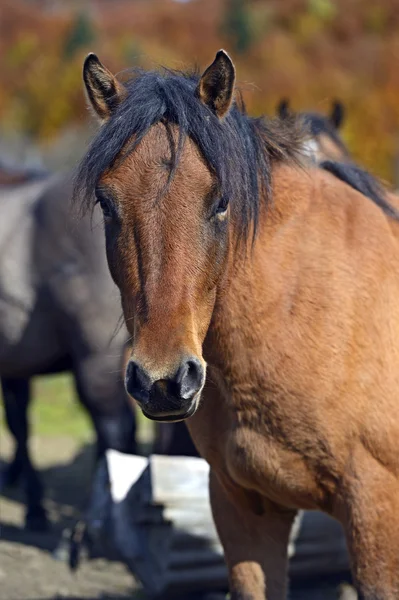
x,y
23,313
73,258
56,294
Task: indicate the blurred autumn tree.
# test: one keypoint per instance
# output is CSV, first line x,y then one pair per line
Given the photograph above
x,y
81,34
309,50
237,25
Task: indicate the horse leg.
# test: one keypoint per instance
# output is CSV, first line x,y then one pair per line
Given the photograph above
x,y
15,413
181,443
103,395
16,396
174,439
254,534
163,437
371,509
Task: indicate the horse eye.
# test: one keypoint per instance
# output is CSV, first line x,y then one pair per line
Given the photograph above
x,y
105,204
222,206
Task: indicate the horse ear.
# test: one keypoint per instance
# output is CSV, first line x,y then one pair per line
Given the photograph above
x,y
337,114
283,108
216,86
104,91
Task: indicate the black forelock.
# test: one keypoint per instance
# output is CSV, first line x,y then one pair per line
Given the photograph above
x,y
238,149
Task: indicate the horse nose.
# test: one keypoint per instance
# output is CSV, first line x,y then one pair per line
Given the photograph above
x,y
138,383
170,396
189,379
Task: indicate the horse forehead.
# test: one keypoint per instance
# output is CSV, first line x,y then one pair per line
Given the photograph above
x,y
329,146
151,160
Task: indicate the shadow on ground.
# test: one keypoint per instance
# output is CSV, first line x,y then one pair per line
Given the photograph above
x,y
28,570
66,488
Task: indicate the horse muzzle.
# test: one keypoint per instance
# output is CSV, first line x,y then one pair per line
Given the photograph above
x,y
169,399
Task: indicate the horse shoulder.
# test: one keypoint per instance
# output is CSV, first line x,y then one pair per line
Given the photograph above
x,y
331,212
320,329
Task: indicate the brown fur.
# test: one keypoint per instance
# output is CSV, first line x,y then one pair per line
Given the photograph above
x,y
327,149
300,335
103,90
216,86
9,177
324,141
303,348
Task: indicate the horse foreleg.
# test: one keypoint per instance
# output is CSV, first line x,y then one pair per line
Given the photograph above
x,y
254,534
371,520
102,393
16,396
16,399
174,439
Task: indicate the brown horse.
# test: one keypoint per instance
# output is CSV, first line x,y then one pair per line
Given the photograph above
x,y
324,142
324,146
263,302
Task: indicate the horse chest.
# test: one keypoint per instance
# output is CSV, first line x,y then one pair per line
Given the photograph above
x,y
264,464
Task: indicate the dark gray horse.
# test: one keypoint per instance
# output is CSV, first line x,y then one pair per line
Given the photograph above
x,y
59,310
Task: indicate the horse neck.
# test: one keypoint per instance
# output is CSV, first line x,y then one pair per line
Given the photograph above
x,y
320,148
259,279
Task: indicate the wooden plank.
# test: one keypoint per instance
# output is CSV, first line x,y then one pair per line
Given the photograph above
x,y
188,539
164,529
181,559
178,479
124,472
182,582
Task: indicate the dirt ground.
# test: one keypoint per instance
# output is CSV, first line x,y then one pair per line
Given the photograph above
x,y
28,570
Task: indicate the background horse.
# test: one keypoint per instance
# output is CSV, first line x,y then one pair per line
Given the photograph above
x,y
262,299
325,142
59,311
326,148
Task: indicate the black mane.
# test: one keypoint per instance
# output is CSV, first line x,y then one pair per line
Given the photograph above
x,y
239,149
363,182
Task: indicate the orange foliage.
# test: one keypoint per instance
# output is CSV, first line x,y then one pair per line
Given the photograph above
x,y
309,50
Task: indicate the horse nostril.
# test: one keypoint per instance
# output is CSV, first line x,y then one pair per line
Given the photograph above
x,y
137,382
190,378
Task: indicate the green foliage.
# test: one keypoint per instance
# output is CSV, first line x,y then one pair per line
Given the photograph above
x,y
237,25
262,20
314,20
376,18
309,50
81,34
131,51
55,411
20,52
325,10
